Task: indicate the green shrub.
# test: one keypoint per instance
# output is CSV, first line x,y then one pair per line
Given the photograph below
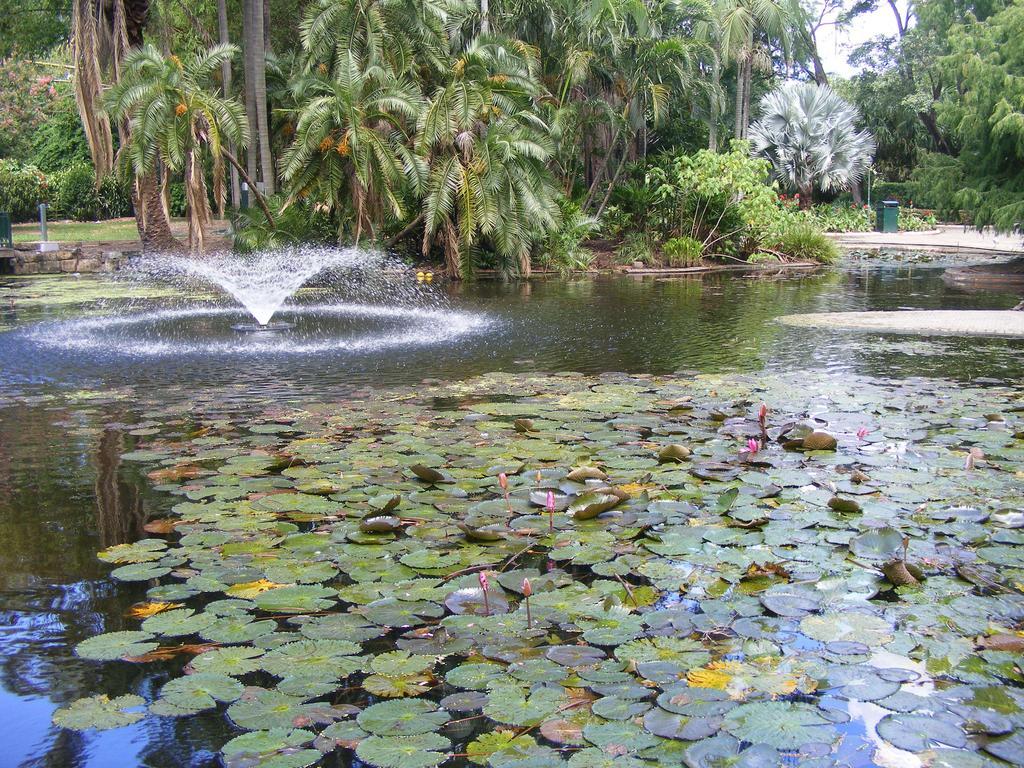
x,y
682,251
73,194
844,218
59,142
563,248
22,189
802,240
723,199
915,219
760,257
176,198
297,224
637,246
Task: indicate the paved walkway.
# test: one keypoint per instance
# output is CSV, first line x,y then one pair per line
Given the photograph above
x,y
945,237
926,322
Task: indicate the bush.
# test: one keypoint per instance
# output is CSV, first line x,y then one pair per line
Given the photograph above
x,y
802,240
637,246
682,251
296,224
59,142
721,199
563,248
844,218
22,189
73,194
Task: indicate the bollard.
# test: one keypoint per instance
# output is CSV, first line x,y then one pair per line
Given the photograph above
x,y
42,222
245,195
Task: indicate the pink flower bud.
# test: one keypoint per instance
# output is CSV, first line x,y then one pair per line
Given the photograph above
x,y
550,505
862,433
762,413
484,584
503,481
527,589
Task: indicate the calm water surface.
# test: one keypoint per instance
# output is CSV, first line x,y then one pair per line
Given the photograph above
x,y
64,494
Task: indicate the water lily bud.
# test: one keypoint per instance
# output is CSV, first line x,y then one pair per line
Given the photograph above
x,y
753,446
484,584
862,433
762,413
503,481
550,505
527,589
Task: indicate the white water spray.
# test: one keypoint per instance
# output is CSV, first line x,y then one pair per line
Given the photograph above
x,y
262,282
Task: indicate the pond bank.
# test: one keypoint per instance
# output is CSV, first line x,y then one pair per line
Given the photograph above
x,y
945,237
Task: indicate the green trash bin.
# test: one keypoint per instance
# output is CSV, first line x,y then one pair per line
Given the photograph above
x,y
6,235
887,214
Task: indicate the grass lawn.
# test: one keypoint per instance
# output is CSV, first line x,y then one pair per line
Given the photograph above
x,y
79,231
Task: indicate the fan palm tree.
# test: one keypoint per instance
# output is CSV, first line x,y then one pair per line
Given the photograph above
x,y
486,150
177,116
809,135
351,145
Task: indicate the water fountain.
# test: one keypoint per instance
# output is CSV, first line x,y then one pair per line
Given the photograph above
x,y
296,290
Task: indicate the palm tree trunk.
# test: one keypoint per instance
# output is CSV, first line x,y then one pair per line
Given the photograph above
x,y
259,71
252,152
154,229
748,82
225,74
737,131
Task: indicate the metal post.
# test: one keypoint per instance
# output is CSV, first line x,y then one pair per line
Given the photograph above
x,y
245,195
871,170
42,222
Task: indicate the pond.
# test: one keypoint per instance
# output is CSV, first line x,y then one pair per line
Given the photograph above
x,y
251,451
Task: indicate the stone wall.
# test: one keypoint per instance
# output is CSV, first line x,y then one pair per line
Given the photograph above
x,y
27,260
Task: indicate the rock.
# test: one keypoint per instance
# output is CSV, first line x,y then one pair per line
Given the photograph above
x,y
798,430
820,441
523,425
840,504
674,452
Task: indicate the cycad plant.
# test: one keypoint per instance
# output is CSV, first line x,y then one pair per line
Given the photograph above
x,y
486,150
809,135
178,117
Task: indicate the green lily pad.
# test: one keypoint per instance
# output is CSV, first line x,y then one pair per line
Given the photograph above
x,y
100,713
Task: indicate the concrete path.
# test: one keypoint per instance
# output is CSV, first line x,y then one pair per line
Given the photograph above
x,y
927,322
945,237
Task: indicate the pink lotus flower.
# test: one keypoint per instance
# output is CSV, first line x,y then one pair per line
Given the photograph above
x,y
527,591
485,586
753,446
862,433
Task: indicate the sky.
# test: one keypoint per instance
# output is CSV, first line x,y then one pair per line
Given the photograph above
x,y
835,45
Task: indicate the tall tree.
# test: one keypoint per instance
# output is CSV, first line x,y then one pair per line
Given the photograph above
x,y
225,78
103,34
256,53
749,29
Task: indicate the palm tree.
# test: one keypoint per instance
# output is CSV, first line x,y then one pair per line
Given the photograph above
x,y
351,144
399,35
809,135
486,149
177,117
745,26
